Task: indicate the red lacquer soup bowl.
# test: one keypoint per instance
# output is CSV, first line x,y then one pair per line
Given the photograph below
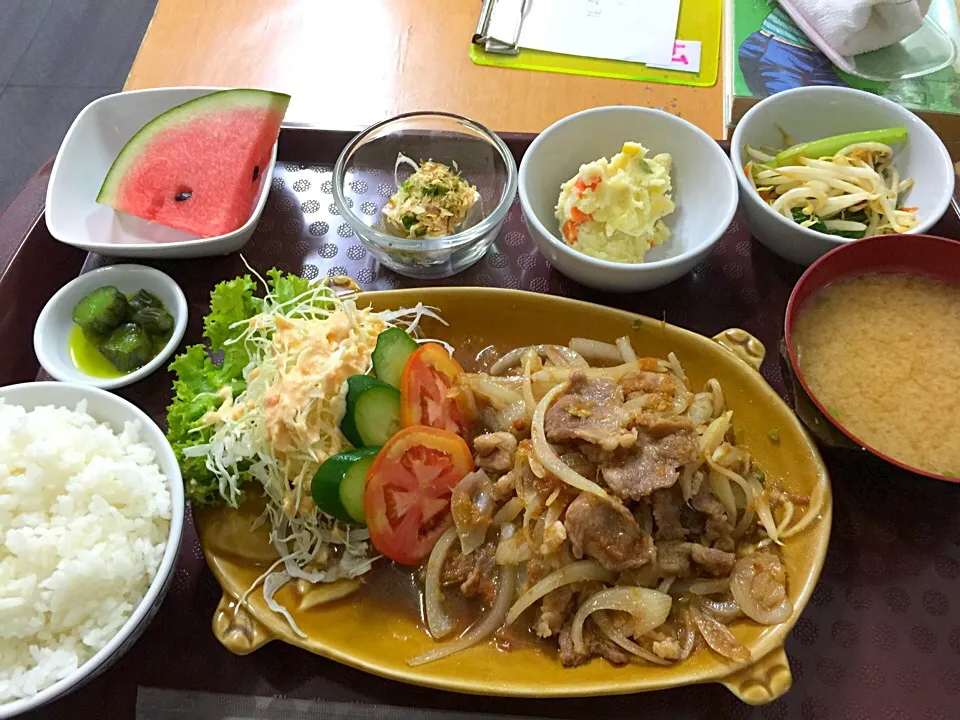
x,y
922,255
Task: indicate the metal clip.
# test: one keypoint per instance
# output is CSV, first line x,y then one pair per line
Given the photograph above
x,y
498,28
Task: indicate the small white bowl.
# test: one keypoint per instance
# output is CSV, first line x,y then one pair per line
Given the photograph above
x,y
811,113
115,411
88,150
52,331
704,192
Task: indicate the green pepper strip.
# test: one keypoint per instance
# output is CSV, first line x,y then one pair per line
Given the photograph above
x,y
827,147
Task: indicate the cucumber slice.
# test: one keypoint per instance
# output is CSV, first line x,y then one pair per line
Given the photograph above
x,y
356,385
372,415
377,415
342,478
393,349
354,483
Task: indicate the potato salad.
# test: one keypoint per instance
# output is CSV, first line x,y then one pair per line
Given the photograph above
x,y
614,209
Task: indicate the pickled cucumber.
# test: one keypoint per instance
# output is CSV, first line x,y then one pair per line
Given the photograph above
x,y
127,347
101,310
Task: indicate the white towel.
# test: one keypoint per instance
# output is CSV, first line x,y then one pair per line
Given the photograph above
x,y
850,27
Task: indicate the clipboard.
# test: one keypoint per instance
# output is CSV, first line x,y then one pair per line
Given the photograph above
x,y
699,20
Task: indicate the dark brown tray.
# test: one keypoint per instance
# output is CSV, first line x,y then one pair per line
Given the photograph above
x,y
880,639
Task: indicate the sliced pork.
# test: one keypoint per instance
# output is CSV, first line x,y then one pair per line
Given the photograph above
x,y
606,531
495,451
589,411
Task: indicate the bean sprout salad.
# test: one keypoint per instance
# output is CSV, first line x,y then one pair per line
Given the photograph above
x,y
844,185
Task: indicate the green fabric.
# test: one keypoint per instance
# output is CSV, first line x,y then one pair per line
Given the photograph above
x,y
779,24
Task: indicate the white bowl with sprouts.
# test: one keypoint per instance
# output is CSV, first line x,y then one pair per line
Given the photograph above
x,y
812,113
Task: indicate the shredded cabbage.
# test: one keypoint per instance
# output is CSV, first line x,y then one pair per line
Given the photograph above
x,y
434,201
290,371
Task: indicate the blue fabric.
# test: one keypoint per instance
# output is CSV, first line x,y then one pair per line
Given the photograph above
x,y
769,66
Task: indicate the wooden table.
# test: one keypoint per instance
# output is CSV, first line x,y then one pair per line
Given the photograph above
x,y
384,57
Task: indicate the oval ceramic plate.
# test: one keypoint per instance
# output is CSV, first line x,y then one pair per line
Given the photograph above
x,y
358,633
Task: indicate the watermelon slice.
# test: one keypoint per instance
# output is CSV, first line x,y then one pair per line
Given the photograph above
x,y
198,167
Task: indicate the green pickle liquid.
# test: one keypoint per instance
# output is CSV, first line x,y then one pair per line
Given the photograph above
x,y
87,358
90,361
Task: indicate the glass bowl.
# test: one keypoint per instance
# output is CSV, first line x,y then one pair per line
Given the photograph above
x,y
370,159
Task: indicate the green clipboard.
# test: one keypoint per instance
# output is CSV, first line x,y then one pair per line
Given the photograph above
x,y
699,20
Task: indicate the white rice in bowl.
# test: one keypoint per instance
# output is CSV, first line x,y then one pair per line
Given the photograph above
x,y
84,520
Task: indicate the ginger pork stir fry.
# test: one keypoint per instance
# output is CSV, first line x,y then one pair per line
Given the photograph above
x,y
613,513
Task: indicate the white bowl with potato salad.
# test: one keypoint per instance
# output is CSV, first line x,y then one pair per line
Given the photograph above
x,y
626,199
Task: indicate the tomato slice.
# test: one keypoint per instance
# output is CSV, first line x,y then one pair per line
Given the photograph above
x,y
427,395
407,495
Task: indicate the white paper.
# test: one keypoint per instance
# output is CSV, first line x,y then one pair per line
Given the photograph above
x,y
633,30
686,57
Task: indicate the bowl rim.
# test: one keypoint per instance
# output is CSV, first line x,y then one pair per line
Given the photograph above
x,y
153,436
449,242
913,122
45,319
113,248
794,310
531,218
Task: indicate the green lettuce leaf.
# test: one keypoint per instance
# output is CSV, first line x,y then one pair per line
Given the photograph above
x,y
285,288
231,302
195,393
199,381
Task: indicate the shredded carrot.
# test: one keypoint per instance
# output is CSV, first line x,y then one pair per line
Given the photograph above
x,y
909,209
766,195
582,187
578,217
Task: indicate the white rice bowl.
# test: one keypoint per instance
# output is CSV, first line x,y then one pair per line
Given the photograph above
x,y
85,519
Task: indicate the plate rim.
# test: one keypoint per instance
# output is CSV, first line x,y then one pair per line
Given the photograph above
x,y
765,647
